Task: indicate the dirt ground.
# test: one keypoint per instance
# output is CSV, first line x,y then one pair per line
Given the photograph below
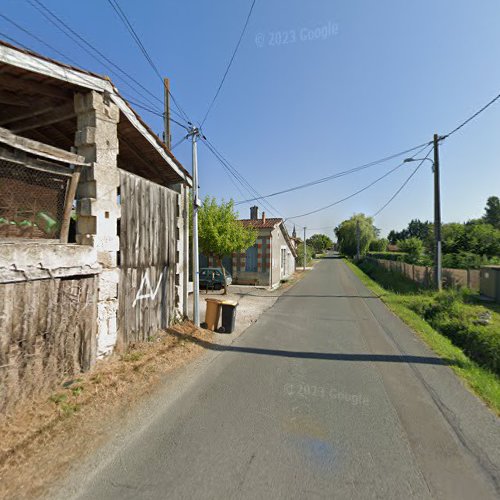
x,y
42,438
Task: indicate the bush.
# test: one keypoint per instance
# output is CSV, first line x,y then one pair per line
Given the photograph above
x,y
448,313
414,247
379,245
300,255
398,256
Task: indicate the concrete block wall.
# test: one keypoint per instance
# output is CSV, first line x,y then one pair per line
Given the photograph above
x,y
96,139
182,260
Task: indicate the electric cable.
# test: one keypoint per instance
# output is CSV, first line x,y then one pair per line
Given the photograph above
x,y
229,64
355,193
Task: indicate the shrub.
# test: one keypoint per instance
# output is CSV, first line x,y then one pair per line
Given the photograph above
x,y
448,313
414,247
379,245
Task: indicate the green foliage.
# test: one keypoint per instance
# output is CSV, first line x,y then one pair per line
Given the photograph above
x,y
416,229
379,245
453,313
346,234
414,247
319,242
448,314
220,231
300,255
482,380
492,212
467,260
397,256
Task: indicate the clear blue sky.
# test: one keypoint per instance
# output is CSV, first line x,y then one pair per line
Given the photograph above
x,y
393,74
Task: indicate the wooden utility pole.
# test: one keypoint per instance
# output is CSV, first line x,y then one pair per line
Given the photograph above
x,y
437,217
167,139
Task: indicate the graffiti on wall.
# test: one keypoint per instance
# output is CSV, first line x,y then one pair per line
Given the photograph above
x,y
146,290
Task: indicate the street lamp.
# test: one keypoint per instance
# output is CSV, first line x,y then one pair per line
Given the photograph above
x,y
438,271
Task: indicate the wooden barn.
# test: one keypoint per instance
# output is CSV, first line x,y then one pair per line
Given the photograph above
x,y
93,223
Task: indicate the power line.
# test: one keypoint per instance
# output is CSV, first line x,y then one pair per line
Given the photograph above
x,y
38,39
403,185
128,25
456,129
266,204
338,174
230,62
234,172
355,193
90,49
231,174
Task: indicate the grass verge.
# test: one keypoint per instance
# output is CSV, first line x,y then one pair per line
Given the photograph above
x,y
481,380
41,438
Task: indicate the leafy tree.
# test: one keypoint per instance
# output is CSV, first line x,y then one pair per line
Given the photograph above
x,y
319,242
453,238
379,245
483,239
300,254
220,231
414,247
346,234
419,229
492,212
416,229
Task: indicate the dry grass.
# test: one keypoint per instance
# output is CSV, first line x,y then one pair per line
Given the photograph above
x,y
41,438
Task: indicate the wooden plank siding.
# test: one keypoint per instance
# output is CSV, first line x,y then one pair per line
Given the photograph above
x,y
47,332
148,244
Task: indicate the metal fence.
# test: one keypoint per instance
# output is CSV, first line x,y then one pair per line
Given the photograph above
x,y
31,201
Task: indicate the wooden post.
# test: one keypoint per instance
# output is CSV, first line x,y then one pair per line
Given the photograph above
x,y
68,204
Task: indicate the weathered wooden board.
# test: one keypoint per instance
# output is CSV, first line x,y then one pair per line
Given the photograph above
x,y
146,293
47,332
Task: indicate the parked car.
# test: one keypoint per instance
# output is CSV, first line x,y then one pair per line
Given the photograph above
x,y
212,278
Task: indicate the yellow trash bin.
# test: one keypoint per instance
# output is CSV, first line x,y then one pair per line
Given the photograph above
x,y
212,314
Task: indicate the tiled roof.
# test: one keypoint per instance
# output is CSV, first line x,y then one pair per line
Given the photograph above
x,y
260,224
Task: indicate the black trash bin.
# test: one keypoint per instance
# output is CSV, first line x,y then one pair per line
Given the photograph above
x,y
228,316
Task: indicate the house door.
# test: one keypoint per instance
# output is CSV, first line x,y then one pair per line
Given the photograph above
x,y
283,262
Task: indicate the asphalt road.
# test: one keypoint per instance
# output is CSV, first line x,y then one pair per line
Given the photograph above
x,y
328,395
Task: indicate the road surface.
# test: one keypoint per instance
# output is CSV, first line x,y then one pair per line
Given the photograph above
x,y
328,395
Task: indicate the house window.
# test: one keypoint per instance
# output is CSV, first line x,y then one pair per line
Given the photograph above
x,y
251,260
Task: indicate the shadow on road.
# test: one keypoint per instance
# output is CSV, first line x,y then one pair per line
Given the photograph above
x,y
383,358
307,296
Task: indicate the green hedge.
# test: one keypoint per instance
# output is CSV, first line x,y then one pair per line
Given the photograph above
x,y
399,256
448,313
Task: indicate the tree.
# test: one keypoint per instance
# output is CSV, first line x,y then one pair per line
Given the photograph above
x,y
346,234
414,247
319,242
492,212
379,245
300,254
221,233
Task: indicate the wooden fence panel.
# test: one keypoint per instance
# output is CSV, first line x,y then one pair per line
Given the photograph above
x,y
148,246
47,332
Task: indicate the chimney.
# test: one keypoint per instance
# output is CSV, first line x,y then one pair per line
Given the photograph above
x,y
254,213
263,217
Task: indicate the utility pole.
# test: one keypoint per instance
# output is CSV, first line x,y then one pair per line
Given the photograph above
x,y
358,237
437,217
167,138
305,249
195,133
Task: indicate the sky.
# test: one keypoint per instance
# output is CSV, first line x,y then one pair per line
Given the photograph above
x,y
317,87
